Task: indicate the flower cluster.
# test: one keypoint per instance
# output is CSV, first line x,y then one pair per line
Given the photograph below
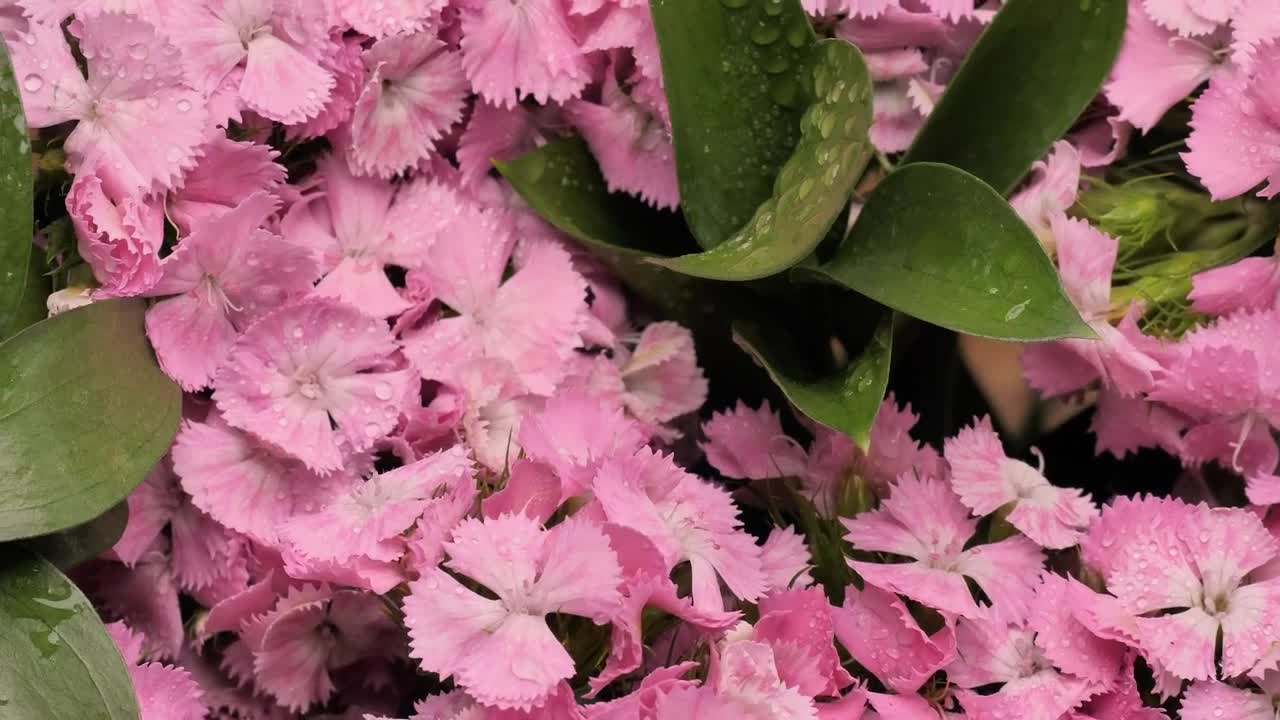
x,y
431,461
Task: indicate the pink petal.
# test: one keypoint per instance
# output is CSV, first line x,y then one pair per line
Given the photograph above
x,y
1183,643
876,629
1252,283
897,526
119,238
166,693
785,560
573,434
1007,572
1245,638
503,553
1182,16
938,589
446,620
517,665
631,144
1065,641
52,88
415,93
227,173
580,573
281,83
1156,69
750,444
1214,700
396,17
532,489
1052,190
527,50
1233,143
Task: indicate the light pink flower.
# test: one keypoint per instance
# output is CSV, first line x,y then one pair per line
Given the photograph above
x,y
119,236
986,480
164,692
1071,633
687,518
1052,190
661,376
1086,258
370,519
631,142
313,378
140,123
1184,571
276,42
531,321
1157,68
799,627
414,93
924,522
515,50
747,444
990,652
224,276
746,675
1235,129
1214,700
354,227
1189,17
502,651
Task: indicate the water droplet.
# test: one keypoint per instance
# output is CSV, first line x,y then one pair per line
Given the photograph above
x,y
372,430
184,105
382,391
765,34
138,51
32,83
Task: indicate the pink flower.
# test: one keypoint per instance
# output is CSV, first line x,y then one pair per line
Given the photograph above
x,y
224,276
631,142
227,174
414,93
1224,376
990,652
986,480
1157,68
370,518
1086,258
276,42
746,675
878,631
140,123
314,378
1212,700
798,625
311,632
748,444
119,237
785,560
164,692
1235,129
354,227
687,518
516,50
573,434
392,17
924,522
1052,190
243,485
1249,284
1072,630
502,651
531,321
497,132
1183,570
661,377
1190,17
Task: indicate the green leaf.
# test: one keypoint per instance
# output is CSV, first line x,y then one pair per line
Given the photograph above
x,y
85,412
815,183
59,663
16,203
70,547
1026,81
846,400
30,308
937,243
734,72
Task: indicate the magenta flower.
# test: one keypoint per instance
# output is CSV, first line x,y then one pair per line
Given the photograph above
x,y
315,379
501,650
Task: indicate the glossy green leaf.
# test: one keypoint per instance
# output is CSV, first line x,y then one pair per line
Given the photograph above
x,y
1026,81
30,308
735,77
56,660
73,546
85,412
16,202
937,243
846,399
815,183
